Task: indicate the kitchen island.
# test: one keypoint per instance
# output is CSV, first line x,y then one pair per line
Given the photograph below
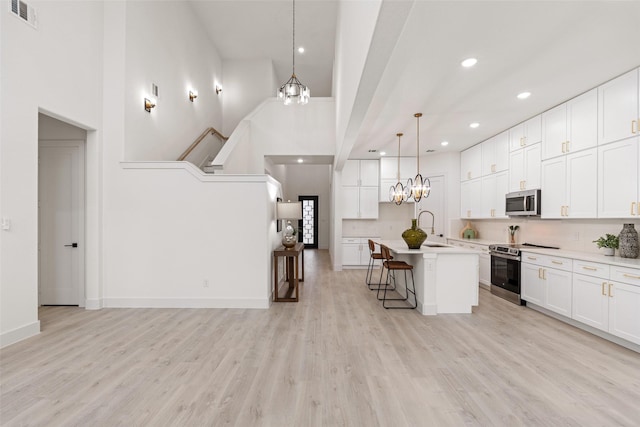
x,y
446,276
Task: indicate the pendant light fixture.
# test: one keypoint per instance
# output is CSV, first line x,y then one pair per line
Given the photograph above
x,y
420,187
293,89
398,193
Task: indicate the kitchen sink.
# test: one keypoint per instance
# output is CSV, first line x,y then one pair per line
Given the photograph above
x,y
435,245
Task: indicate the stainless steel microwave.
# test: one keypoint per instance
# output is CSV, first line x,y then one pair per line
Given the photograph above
x,y
526,203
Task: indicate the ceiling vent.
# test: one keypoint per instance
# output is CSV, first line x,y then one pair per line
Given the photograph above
x,y
24,12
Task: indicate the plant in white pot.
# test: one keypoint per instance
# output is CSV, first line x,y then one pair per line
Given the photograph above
x,y
609,242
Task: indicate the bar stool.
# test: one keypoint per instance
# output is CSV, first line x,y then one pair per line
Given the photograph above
x,y
373,256
392,267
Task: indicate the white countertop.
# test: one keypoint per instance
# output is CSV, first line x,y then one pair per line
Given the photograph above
x,y
474,241
586,256
400,247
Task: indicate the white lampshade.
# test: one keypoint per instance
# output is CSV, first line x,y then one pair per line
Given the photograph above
x,y
289,210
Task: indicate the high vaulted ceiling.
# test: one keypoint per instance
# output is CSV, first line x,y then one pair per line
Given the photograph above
x,y
553,49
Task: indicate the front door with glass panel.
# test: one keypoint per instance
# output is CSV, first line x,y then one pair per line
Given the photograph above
x,y
308,225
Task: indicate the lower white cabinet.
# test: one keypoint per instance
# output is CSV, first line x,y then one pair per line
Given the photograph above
x,y
484,258
546,286
355,250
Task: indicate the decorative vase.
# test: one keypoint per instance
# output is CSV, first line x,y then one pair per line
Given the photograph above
x,y
513,239
628,242
414,236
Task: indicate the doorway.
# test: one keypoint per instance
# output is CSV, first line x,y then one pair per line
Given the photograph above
x,y
308,225
61,222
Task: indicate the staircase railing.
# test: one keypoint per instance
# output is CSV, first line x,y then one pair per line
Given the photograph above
x,y
208,131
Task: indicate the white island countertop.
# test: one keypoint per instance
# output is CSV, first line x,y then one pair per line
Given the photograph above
x,y
446,276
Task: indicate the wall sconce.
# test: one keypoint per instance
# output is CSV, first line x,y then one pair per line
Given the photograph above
x,y
218,89
192,95
148,105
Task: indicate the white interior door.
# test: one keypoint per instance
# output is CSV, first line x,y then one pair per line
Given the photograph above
x,y
435,204
61,223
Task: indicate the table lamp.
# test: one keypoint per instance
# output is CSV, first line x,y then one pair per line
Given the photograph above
x,y
289,211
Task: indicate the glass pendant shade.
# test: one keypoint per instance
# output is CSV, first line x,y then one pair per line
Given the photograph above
x,y
399,193
293,89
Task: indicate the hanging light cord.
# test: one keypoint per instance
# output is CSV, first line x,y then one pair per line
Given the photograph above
x,y
399,135
418,115
293,46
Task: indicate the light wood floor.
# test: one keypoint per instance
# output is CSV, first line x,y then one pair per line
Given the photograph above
x,y
335,358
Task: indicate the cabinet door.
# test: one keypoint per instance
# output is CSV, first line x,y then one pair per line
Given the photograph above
x,y
582,179
532,284
389,169
368,202
488,197
465,203
590,304
516,137
618,179
501,150
533,130
558,291
350,202
350,254
488,151
554,132
624,311
618,108
408,168
516,170
369,173
553,188
351,173
471,163
485,268
470,199
582,122
502,188
532,166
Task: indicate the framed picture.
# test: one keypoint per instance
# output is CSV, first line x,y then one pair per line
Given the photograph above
x,y
278,221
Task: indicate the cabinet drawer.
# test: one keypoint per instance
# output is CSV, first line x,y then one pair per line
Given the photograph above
x,y
594,269
625,275
548,261
351,240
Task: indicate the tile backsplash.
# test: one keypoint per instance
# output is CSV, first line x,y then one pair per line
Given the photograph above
x,y
573,235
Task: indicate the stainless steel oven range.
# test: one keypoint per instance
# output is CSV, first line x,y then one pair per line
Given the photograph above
x,y
505,270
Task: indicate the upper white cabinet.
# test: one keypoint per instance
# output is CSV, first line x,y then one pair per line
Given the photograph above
x,y
524,168
471,199
360,180
471,163
568,184
526,133
618,179
495,154
570,127
494,187
618,108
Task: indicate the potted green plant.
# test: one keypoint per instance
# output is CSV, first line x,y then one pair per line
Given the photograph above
x,y
609,242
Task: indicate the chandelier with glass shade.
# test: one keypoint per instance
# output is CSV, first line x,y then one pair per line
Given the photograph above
x,y
293,89
418,188
398,193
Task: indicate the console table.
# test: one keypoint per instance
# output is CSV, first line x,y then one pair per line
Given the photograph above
x,y
291,274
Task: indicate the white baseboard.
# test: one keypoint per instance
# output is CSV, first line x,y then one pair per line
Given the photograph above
x,y
93,304
19,334
185,303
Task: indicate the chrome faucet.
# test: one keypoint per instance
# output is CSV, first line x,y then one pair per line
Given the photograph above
x,y
433,220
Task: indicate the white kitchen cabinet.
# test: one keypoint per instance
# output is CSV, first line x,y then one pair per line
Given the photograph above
x,y
526,133
360,191
567,186
618,178
524,168
624,311
590,304
355,251
471,163
547,282
495,154
570,127
471,199
484,258
389,174
618,108
494,188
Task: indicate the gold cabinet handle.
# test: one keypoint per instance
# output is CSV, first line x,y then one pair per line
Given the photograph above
x,y
610,294
589,268
468,214
633,208
564,147
544,275
603,291
532,258
557,262
539,273
631,276
634,128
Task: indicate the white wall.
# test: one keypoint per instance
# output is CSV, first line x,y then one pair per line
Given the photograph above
x,y
55,69
247,83
311,180
165,45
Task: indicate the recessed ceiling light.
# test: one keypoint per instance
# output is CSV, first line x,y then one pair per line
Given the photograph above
x,y
300,49
474,125
524,95
469,62
383,153
444,143
300,160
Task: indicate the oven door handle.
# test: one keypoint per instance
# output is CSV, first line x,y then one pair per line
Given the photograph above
x,y
509,257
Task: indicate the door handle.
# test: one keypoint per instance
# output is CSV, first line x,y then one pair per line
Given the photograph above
x,y
73,245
